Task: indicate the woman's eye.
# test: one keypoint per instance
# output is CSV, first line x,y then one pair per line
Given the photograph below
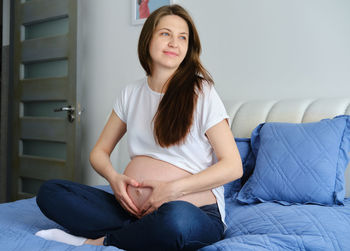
x,y
164,34
183,38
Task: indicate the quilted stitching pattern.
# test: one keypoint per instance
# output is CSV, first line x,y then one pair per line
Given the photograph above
x,y
271,226
248,161
258,227
299,163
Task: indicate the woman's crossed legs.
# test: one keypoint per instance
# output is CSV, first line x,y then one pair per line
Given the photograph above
x,y
94,213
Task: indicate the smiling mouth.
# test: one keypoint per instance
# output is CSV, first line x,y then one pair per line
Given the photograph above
x,y
174,54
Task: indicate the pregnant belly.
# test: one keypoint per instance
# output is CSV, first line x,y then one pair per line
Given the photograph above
x,y
146,168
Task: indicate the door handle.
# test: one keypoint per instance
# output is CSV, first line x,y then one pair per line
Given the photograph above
x,y
70,112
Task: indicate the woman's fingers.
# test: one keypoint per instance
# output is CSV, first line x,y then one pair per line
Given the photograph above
x,y
130,203
122,195
147,209
132,182
150,210
126,196
126,203
128,208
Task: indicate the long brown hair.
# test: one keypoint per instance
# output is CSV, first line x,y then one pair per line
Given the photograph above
x,y
174,117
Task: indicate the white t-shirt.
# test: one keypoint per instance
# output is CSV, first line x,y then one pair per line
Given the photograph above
x,y
136,106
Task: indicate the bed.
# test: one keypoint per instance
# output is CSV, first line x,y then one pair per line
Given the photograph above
x,y
293,194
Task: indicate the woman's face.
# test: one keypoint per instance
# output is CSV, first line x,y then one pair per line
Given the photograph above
x,y
169,43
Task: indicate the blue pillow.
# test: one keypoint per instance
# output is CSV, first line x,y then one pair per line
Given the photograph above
x,y
248,162
299,163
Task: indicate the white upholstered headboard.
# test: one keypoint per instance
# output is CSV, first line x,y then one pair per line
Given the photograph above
x,y
246,115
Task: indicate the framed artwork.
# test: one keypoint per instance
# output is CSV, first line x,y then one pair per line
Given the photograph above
x,y
142,8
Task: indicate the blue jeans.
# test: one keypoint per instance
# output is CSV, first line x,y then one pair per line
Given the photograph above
x,y
93,213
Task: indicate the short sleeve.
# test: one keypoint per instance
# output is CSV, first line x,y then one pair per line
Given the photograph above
x,y
120,105
213,109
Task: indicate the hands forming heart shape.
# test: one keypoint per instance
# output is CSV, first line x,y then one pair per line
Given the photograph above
x,y
139,195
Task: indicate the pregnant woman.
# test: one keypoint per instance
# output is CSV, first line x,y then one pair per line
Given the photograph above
x,y
170,196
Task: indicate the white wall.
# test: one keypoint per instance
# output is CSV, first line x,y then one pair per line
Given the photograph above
x,y
107,60
276,47
251,47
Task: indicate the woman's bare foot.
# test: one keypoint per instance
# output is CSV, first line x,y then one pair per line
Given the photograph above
x,y
96,242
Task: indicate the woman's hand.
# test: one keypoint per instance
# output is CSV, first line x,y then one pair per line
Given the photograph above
x,y
139,195
162,192
119,183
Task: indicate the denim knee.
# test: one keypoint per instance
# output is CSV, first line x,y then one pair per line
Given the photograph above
x,y
173,209
176,225
177,215
186,225
46,193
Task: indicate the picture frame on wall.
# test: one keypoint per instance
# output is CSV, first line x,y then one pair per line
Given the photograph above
x,y
142,8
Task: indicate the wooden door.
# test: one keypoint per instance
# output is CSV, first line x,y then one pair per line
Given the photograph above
x,y
45,142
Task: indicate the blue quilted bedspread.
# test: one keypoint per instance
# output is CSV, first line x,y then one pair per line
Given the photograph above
x,y
272,226
264,226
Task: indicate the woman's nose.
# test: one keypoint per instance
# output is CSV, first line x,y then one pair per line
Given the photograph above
x,y
172,42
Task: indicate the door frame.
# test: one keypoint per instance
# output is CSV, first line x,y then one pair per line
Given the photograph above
x,y
6,111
